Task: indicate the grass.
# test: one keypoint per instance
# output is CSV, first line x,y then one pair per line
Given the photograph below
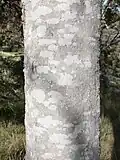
x,y
12,141
106,139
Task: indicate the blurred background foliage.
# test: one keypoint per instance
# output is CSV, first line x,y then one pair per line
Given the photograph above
x,y
12,107
110,80
11,26
12,80
11,61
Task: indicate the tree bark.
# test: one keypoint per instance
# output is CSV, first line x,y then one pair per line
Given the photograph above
x,y
61,39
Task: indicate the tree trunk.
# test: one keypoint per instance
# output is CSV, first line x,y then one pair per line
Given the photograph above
x,y
61,40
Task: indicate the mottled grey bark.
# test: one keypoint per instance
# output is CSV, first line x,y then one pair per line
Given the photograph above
x,y
62,79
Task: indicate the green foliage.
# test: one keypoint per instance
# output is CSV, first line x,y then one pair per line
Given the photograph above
x,y
11,88
110,47
11,29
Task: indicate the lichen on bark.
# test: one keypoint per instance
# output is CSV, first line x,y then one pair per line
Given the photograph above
x,y
62,98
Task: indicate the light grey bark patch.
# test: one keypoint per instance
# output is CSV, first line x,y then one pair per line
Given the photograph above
x,y
78,7
50,16
46,42
53,47
41,11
